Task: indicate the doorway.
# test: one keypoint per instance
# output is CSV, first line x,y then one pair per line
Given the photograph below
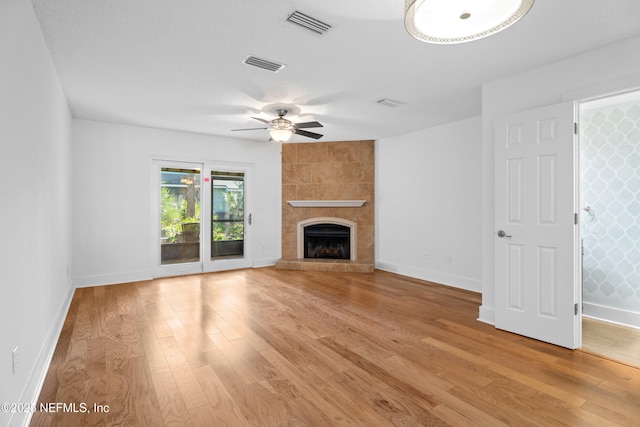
x,y
201,218
609,141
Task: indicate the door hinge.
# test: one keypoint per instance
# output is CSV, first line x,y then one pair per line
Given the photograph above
x,y
249,219
575,128
575,309
575,219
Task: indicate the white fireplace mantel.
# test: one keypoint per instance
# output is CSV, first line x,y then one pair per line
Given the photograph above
x,y
326,203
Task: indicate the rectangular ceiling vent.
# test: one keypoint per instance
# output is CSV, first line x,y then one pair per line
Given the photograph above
x,y
263,63
309,23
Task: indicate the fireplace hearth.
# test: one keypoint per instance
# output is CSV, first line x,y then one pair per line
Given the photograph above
x,y
330,241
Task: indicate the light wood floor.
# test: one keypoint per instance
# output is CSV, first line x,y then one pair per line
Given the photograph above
x,y
612,341
268,347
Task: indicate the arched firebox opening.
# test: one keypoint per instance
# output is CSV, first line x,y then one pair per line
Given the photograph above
x,y
327,241
329,238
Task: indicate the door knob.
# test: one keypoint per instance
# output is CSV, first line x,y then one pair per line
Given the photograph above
x,y
501,233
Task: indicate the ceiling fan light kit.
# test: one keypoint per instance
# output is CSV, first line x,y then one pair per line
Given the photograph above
x,y
280,135
281,129
459,21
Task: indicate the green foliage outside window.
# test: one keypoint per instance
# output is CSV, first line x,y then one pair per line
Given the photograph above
x,y
173,213
225,226
228,231
234,203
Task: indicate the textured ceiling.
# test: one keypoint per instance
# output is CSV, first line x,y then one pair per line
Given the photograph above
x,y
177,64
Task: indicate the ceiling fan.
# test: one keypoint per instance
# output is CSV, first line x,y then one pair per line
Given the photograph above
x,y
281,129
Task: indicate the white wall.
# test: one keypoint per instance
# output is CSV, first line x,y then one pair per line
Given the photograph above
x,y
614,67
35,164
112,195
428,204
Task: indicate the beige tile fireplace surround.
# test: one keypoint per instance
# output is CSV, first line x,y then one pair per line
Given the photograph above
x,y
327,181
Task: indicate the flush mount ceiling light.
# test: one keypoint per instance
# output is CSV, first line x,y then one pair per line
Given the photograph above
x,y
459,21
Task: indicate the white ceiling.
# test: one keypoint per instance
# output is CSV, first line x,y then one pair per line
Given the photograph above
x,y
177,64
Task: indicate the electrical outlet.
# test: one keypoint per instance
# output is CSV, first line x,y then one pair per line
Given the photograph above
x,y
426,256
448,259
14,360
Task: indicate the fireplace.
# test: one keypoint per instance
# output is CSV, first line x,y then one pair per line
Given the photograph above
x,y
327,237
327,241
328,183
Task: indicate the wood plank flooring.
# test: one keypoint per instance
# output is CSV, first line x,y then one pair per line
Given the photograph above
x,y
613,341
267,347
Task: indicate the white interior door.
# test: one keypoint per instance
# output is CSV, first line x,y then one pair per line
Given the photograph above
x,y
536,236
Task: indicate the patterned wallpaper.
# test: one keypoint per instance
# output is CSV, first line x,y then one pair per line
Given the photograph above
x,y
610,185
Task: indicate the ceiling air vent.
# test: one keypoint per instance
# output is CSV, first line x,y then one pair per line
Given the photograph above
x,y
309,23
263,63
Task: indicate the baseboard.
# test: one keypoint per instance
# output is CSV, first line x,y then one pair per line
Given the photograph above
x,y
137,276
264,262
433,276
611,314
111,279
487,315
32,390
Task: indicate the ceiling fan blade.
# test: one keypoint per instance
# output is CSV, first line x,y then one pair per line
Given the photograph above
x,y
261,120
308,125
249,129
308,134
